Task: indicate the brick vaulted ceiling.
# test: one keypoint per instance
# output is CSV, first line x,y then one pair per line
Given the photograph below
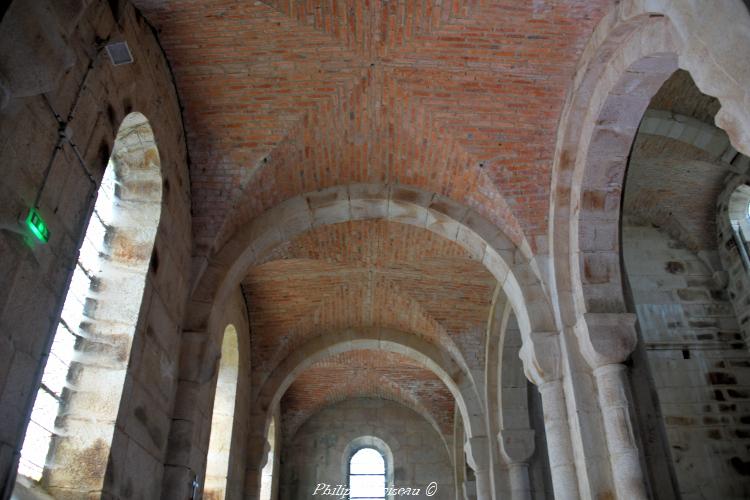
x,y
367,273
459,97
366,374
673,185
284,97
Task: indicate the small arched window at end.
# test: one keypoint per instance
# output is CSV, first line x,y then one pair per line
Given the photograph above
x,y
367,475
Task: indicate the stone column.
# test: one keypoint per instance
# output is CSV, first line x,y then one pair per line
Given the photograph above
x,y
542,359
623,452
187,445
610,340
477,456
559,445
517,446
469,490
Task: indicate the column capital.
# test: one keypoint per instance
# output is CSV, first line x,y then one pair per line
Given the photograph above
x,y
541,357
516,445
606,338
477,450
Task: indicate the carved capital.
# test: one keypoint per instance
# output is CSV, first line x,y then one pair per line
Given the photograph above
x,y
516,445
608,338
541,357
477,452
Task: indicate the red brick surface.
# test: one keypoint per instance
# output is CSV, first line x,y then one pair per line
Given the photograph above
x,y
457,97
366,374
286,97
368,273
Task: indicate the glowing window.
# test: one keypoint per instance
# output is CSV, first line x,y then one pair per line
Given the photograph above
x,y
75,409
50,396
222,419
367,475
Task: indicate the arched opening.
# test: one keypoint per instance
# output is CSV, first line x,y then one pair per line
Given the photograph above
x,y
267,474
367,474
627,61
369,468
690,341
67,443
522,435
739,218
515,413
222,418
313,428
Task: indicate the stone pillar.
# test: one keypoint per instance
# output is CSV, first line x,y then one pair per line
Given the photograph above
x,y
257,449
542,359
623,452
187,445
517,446
477,456
520,488
610,340
469,490
559,445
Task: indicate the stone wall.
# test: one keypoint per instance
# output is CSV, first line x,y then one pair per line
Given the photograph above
x,y
699,363
316,453
92,96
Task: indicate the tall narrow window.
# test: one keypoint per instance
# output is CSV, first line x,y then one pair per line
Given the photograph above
x,y
222,419
266,475
367,475
67,441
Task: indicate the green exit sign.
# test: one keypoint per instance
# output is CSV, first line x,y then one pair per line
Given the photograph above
x,y
37,225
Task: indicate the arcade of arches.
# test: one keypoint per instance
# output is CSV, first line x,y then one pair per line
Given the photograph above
x,y
500,245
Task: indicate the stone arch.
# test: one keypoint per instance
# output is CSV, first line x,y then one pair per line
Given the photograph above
x,y
732,210
451,372
738,204
632,52
691,131
508,415
514,268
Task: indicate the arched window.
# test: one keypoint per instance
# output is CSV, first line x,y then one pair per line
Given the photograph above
x,y
367,477
66,447
222,419
266,476
739,217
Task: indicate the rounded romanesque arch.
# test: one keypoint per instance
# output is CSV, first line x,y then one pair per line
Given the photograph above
x,y
514,268
633,51
451,372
